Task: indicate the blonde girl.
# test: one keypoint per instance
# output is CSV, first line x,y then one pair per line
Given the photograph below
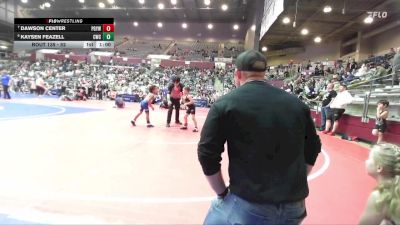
x,y
383,206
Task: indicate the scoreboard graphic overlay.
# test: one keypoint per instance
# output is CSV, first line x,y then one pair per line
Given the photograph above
x,y
39,33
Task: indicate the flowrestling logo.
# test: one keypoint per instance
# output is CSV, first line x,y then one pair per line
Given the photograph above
x,y
378,14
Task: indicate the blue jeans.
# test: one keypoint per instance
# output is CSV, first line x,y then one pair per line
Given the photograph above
x,y
323,118
233,210
324,114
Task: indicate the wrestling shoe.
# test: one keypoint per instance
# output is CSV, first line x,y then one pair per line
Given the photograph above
x,y
168,125
195,130
183,128
149,126
133,123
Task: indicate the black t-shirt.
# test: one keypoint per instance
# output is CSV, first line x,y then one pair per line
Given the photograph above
x,y
271,137
187,100
328,98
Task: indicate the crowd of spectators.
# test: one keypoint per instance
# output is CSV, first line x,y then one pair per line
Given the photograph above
x,y
308,80
83,81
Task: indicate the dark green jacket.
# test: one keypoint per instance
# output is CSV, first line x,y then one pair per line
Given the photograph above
x,y
270,136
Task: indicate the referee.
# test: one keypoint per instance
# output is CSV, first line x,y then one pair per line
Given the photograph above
x,y
174,96
272,146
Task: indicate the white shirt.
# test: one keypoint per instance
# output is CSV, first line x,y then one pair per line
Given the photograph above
x,y
342,100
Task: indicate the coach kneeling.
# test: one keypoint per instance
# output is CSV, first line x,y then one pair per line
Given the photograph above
x,y
272,146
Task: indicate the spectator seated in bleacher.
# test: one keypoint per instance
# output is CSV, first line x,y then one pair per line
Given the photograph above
x,y
362,71
396,67
380,72
348,78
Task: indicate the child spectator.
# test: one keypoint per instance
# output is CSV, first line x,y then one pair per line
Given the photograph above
x,y
382,114
383,206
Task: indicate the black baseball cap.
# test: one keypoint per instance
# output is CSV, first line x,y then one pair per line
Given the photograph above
x,y
251,60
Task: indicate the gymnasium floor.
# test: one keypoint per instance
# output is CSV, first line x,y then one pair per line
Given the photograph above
x,y
83,163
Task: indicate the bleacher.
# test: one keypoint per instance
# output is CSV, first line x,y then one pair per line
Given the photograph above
x,y
200,50
232,49
375,89
127,46
194,50
183,50
143,48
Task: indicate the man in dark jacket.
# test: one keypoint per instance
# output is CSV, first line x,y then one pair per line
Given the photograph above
x,y
174,97
272,146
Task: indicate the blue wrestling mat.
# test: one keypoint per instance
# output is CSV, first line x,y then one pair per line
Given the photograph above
x,y
4,219
11,111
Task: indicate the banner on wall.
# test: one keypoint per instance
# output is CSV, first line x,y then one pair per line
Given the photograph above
x,y
220,65
272,9
224,60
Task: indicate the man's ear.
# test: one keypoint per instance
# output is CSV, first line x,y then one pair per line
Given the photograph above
x,y
239,74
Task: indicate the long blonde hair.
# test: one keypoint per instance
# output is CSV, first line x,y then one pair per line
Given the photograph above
x,y
388,156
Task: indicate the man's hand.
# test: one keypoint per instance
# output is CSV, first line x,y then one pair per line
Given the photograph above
x,y
223,194
217,183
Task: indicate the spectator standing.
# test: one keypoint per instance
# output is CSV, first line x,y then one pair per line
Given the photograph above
x,y
99,90
40,86
64,85
5,82
32,86
272,145
396,67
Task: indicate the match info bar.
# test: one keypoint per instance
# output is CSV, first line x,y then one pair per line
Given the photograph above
x,y
39,33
